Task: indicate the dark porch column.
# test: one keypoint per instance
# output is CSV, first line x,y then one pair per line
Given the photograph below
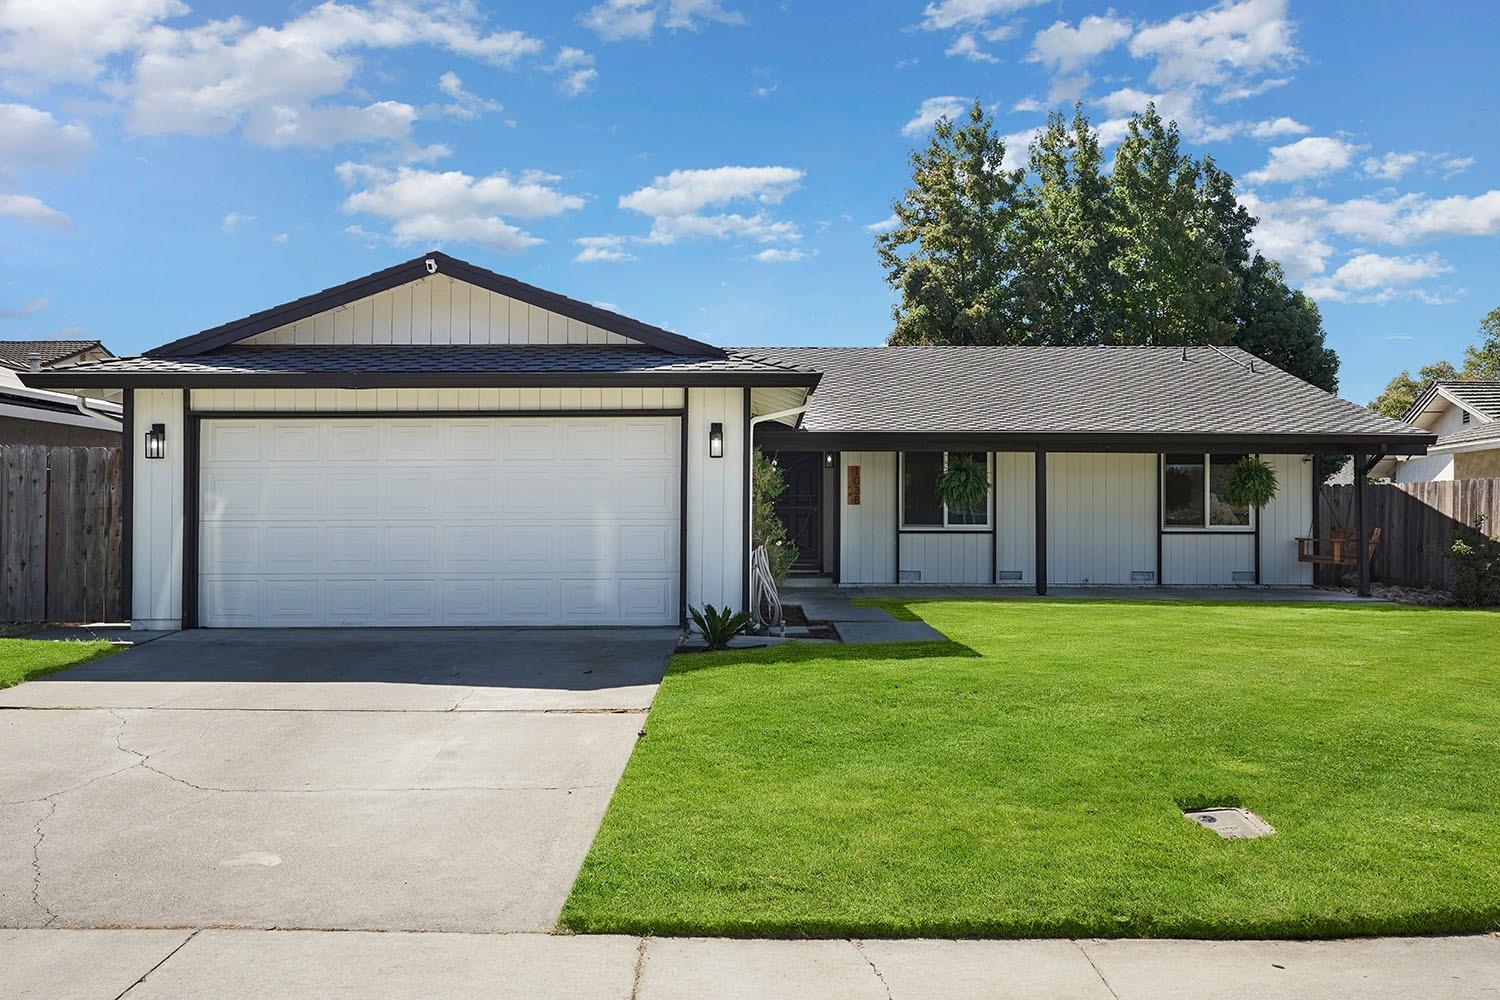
x,y
1041,521
1361,533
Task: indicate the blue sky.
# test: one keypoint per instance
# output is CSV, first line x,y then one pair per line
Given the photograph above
x,y
714,166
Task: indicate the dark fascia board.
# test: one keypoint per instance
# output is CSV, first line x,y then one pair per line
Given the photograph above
x,y
416,380
414,270
790,440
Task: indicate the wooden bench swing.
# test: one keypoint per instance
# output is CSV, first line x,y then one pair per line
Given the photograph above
x,y
1339,549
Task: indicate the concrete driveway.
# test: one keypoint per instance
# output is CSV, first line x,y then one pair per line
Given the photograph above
x,y
392,780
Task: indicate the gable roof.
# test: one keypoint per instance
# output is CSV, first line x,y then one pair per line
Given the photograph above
x,y
1036,396
355,366
1481,397
17,353
434,262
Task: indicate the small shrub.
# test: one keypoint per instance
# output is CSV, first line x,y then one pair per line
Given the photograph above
x,y
1476,565
1251,483
719,625
767,483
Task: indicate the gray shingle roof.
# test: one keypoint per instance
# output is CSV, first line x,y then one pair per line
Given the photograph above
x,y
267,363
1481,396
1084,390
1473,434
17,353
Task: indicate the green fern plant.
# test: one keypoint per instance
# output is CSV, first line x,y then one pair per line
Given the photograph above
x,y
1251,483
719,625
964,484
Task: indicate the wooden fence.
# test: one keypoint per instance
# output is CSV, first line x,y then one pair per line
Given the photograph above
x,y
1416,522
60,534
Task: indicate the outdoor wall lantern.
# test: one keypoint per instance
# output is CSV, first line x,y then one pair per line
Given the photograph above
x,y
827,459
156,441
715,440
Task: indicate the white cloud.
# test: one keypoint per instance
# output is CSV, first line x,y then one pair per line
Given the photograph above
x,y
1068,49
1274,128
602,248
1018,148
577,67
758,228
31,138
1391,166
212,78
967,46
1315,156
431,206
885,225
234,220
1457,164
931,110
46,41
1229,45
777,255
625,20
942,15
32,211
281,237
28,308
464,104
684,191
1370,277
607,306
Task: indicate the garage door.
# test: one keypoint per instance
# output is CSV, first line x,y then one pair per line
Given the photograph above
x,y
451,521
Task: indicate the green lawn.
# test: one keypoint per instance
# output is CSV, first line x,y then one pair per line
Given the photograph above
x,y
1027,779
23,659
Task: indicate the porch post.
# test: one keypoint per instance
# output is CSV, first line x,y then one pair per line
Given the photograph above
x,y
1041,522
1361,533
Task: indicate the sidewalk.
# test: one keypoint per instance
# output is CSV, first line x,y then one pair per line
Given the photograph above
x,y
289,965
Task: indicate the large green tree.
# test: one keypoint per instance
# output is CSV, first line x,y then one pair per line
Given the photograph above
x,y
1155,251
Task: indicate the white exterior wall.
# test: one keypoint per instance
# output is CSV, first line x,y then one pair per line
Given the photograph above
x,y
1015,517
1285,519
438,309
716,529
458,400
156,513
953,557
867,537
1101,519
1423,469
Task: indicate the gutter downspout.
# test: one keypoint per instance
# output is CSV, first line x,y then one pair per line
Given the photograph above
x,y
749,488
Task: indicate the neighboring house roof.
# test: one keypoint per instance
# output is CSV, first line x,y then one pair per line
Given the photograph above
x,y
17,353
1471,436
1480,396
371,366
1139,395
415,269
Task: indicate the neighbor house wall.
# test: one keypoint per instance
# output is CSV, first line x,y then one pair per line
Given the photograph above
x,y
717,535
438,309
867,538
156,507
1476,464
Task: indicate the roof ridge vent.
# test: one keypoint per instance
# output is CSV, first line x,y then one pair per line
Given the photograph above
x,y
1224,354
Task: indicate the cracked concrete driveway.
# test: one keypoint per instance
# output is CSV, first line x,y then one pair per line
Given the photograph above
x,y
395,780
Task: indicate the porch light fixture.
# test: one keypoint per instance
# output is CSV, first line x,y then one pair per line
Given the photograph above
x,y
156,441
827,459
715,440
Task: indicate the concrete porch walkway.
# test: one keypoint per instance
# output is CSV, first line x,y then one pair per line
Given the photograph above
x,y
289,965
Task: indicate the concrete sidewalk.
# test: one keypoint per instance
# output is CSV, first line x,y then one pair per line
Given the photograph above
x,y
287,965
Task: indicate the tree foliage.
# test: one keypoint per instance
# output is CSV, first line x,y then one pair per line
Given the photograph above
x,y
1156,250
767,482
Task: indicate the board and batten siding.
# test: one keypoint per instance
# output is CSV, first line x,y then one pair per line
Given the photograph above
x,y
951,557
1015,518
438,309
1101,519
457,400
867,540
716,531
156,507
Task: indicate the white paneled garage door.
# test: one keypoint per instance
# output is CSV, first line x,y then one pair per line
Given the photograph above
x,y
445,521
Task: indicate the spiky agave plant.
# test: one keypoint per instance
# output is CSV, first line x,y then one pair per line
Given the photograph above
x,y
719,625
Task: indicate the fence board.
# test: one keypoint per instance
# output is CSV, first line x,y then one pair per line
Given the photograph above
x,y
1417,521
60,534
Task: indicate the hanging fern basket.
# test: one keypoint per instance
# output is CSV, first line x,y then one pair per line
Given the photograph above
x,y
1251,483
964,484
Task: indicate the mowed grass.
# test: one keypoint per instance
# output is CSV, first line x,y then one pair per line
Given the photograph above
x,y
1027,779
23,659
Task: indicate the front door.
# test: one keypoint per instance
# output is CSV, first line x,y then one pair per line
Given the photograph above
x,y
800,507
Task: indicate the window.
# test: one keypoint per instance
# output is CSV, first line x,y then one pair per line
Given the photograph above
x,y
1192,494
922,507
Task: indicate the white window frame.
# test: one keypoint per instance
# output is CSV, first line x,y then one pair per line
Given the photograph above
x,y
1206,527
989,508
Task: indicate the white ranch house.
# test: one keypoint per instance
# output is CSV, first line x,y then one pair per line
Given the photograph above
x,y
436,444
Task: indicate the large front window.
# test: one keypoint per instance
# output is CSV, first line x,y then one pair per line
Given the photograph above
x,y
921,504
1192,493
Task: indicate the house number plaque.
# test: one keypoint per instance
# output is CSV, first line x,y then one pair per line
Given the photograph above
x,y
854,486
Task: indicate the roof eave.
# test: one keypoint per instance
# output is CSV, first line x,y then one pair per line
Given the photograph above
x,y
74,379
1269,443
